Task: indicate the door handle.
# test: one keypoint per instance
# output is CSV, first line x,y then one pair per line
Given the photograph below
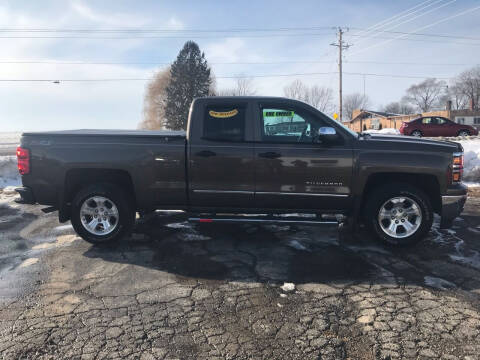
x,y
205,153
270,155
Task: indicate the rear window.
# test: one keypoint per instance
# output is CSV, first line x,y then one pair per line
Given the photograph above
x,y
224,123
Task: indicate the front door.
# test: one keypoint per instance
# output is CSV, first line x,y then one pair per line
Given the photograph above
x,y
221,172
293,169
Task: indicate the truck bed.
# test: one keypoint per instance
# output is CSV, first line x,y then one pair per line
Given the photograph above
x,y
96,132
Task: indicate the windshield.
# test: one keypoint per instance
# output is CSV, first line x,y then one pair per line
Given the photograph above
x,y
347,129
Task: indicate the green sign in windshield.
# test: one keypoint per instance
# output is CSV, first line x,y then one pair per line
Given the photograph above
x,y
269,113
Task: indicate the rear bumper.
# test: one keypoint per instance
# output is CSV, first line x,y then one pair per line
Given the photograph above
x,y
26,195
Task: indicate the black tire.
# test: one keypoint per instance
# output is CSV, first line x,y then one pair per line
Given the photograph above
x,y
416,132
378,198
463,133
126,213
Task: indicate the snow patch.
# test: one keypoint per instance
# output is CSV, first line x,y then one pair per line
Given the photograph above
x,y
438,283
386,131
297,245
287,287
9,175
471,150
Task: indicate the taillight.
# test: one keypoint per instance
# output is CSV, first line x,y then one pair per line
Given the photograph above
x,y
23,157
457,167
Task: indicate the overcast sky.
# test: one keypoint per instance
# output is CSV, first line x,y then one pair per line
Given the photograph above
x,y
118,104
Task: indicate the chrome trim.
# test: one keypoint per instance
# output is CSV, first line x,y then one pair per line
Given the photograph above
x,y
457,154
264,193
302,194
452,199
310,222
223,192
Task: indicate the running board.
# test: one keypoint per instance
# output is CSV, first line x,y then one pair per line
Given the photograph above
x,y
264,220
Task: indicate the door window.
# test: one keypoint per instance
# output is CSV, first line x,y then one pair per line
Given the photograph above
x,y
441,121
224,123
428,121
287,126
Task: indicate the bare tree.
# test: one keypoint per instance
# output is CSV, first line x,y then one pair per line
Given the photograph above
x,y
353,102
317,96
154,103
296,90
426,95
244,86
457,96
398,107
468,84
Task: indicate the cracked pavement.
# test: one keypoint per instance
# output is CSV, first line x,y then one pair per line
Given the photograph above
x,y
179,291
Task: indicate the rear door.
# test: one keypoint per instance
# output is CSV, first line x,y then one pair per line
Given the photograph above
x,y
292,169
445,127
221,171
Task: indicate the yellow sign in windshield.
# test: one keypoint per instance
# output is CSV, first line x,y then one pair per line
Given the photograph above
x,y
223,114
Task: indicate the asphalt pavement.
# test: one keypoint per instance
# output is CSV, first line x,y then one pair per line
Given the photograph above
x,y
174,290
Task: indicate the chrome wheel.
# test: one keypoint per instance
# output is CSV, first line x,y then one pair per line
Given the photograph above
x,y
463,133
400,217
99,215
417,133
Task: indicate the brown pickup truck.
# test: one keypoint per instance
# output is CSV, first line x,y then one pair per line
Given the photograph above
x,y
240,157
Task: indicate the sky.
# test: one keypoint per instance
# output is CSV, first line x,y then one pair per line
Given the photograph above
x,y
283,38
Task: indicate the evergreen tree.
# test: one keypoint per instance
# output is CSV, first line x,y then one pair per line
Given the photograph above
x,y
189,78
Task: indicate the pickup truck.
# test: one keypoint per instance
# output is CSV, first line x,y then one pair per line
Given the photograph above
x,y
241,157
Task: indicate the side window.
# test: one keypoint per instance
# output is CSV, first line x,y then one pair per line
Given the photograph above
x,y
427,121
441,121
224,123
287,126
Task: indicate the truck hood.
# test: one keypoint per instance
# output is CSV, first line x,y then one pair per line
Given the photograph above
x,y
410,142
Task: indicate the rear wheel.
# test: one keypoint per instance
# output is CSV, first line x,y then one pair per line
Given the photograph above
x,y
101,213
399,214
416,133
463,133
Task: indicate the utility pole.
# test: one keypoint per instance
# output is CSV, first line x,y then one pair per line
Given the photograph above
x,y
341,46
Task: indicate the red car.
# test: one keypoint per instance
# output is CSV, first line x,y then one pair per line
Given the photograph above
x,y
435,126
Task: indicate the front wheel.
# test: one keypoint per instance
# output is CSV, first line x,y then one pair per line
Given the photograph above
x,y
416,133
399,214
463,133
101,213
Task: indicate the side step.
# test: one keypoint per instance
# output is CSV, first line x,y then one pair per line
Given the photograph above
x,y
262,219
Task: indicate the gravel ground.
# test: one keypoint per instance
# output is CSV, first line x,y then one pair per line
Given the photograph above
x,y
177,291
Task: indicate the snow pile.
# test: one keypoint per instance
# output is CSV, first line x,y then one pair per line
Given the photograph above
x,y
9,175
8,143
472,160
386,131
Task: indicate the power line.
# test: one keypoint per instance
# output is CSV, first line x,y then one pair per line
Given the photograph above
x,y
417,16
133,37
421,28
49,62
231,77
426,34
137,30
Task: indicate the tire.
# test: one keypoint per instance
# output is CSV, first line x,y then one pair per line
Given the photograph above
x,y
109,200
381,202
416,133
463,133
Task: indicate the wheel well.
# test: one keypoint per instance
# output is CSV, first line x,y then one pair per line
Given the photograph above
x,y
427,183
77,179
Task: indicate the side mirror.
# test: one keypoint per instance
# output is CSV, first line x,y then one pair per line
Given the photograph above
x,y
327,134
326,131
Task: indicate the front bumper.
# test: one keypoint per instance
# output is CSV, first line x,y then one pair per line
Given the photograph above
x,y
26,195
452,206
